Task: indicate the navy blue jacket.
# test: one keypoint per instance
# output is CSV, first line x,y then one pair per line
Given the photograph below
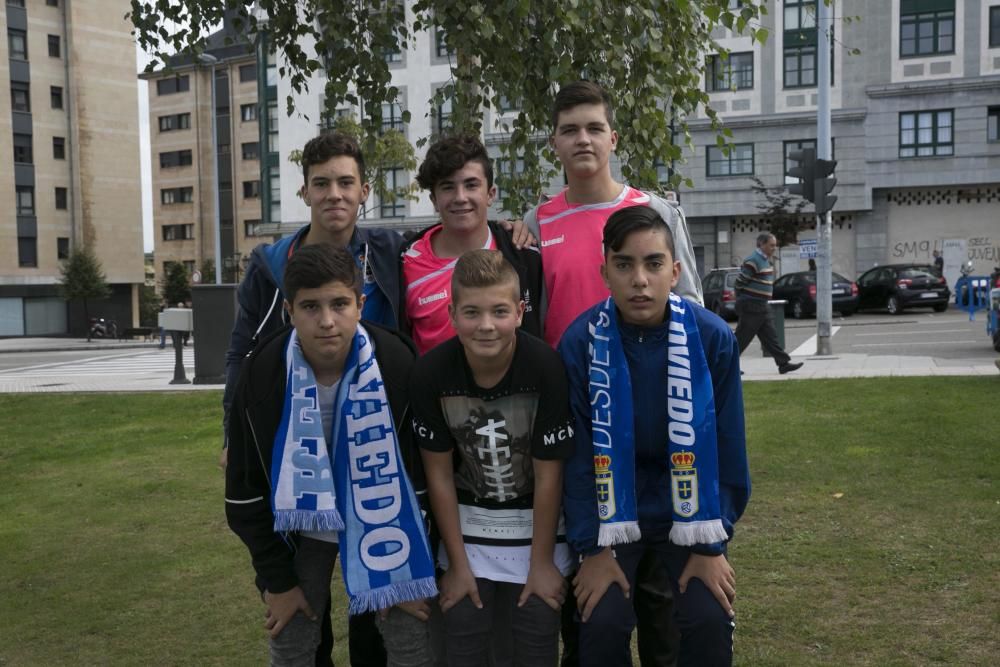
x,y
260,294
646,351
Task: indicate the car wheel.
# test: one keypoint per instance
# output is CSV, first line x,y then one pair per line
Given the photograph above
x,y
940,307
846,313
893,306
798,310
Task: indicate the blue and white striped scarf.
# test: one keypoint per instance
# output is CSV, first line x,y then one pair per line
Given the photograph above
x,y
692,446
360,489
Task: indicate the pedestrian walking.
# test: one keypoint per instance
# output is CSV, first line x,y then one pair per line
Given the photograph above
x,y
754,288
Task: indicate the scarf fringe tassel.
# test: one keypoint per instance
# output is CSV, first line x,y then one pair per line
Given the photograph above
x,y
688,533
625,532
391,595
307,520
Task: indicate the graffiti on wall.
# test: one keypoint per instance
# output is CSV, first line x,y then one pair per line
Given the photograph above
x,y
980,249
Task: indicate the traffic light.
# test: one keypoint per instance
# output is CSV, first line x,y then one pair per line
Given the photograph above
x,y
804,171
824,185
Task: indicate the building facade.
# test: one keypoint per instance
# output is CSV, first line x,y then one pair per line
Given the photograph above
x,y
915,100
205,186
69,160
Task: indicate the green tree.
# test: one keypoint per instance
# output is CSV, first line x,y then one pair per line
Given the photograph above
x,y
176,284
83,279
783,212
649,54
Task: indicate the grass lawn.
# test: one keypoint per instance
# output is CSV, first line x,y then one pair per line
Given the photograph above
x,y
871,537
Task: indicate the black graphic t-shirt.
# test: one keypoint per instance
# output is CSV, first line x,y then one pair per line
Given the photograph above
x,y
494,433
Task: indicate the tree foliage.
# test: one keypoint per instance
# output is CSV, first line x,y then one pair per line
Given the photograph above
x,y
83,279
782,212
176,284
649,54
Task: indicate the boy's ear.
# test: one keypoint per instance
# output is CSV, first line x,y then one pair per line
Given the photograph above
x,y
366,189
604,273
304,193
286,304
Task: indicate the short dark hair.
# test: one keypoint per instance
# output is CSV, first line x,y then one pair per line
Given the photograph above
x,y
448,155
330,145
764,237
484,268
577,93
316,265
633,219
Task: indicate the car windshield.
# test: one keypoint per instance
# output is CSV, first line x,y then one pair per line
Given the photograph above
x,y
810,277
918,272
731,279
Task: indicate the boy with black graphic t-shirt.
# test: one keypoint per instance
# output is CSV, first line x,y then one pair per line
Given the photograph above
x,y
491,417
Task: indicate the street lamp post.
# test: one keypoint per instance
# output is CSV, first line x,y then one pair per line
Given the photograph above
x,y
210,61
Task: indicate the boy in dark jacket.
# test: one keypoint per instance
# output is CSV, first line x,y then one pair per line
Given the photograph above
x,y
318,461
660,461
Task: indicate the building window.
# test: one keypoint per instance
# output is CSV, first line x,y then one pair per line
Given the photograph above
x,y
54,50
62,247
58,148
175,159
248,73
995,27
274,186
180,121
441,48
248,112
251,150
800,66
20,96
442,117
27,251
394,206
22,149
800,14
734,73
925,133
926,27
52,3
993,124
178,232
393,54
17,44
272,126
177,195
62,199
251,189
25,196
507,105
739,162
176,84
15,3
55,96
507,171
392,117
251,227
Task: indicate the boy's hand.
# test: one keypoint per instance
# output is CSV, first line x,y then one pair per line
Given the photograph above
x,y
282,607
717,575
592,580
224,458
520,235
545,581
417,608
455,584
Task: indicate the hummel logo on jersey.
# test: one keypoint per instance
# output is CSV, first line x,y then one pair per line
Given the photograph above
x,y
556,241
424,300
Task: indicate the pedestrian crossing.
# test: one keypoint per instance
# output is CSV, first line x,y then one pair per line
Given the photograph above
x,y
131,364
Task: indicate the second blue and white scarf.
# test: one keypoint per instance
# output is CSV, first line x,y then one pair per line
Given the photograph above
x,y
352,482
692,446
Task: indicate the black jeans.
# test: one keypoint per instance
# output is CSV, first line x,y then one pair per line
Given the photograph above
x,y
755,320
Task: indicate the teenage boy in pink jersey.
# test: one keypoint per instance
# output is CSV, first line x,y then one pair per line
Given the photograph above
x,y
459,175
569,226
570,229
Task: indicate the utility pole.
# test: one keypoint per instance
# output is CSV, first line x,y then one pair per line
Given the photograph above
x,y
824,218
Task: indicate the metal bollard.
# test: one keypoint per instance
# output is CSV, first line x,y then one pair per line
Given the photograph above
x,y
179,376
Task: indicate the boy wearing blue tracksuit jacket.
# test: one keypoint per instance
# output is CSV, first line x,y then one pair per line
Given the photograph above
x,y
660,460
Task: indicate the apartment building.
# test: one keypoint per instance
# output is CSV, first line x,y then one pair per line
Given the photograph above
x,y
205,186
69,160
915,100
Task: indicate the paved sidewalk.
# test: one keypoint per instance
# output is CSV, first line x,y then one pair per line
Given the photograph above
x,y
151,369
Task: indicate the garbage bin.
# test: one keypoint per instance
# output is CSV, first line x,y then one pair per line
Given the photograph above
x,y
214,309
777,307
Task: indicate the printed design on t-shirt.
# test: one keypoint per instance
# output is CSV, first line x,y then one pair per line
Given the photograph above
x,y
493,439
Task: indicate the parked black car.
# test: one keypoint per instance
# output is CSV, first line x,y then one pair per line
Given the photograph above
x,y
899,286
799,290
718,290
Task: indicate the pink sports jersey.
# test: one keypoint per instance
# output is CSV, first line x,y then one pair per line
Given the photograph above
x,y
572,236
428,291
